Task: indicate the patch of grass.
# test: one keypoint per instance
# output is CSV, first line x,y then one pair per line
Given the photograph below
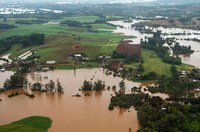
x,y
84,65
153,63
127,66
102,26
64,67
107,49
82,18
17,50
35,28
29,124
185,67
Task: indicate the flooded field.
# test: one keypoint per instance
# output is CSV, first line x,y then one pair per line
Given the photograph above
x,y
71,114
192,60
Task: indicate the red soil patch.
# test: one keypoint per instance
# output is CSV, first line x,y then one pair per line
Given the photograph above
x,y
1,31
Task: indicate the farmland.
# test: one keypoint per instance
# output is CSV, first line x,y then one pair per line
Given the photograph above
x,y
61,40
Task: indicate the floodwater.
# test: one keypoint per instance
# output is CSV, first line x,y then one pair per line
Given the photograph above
x,y
192,59
3,77
71,114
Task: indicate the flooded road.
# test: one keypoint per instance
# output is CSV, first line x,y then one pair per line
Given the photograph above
x,y
125,28
71,114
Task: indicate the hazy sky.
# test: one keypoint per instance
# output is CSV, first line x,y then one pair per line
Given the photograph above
x,y
100,1
74,0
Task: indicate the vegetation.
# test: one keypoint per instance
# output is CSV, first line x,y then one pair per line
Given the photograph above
x,y
26,41
29,22
15,81
14,94
99,85
182,50
4,26
31,124
153,63
88,86
155,43
154,114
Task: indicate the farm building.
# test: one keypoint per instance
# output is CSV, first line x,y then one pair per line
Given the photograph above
x,y
127,47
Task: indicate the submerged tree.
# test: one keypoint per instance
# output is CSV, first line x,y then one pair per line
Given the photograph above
x,y
87,85
59,87
15,81
122,84
99,85
122,87
37,86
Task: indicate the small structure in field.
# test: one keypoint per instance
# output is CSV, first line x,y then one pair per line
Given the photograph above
x,y
51,62
127,47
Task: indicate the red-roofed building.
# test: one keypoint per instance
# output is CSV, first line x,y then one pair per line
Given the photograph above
x,y
127,47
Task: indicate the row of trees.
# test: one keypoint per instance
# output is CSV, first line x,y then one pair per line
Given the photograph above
x,y
127,58
49,87
29,22
29,40
98,85
156,43
4,26
178,49
154,114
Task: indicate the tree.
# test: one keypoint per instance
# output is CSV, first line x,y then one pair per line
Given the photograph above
x,y
59,87
99,85
87,85
122,87
37,86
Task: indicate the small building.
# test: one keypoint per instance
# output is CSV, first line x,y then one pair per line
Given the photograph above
x,y
78,55
2,69
127,47
51,62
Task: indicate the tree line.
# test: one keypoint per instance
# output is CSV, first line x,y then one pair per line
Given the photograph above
x,y
4,26
26,41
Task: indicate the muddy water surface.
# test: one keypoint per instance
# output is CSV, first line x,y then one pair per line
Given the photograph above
x,y
71,114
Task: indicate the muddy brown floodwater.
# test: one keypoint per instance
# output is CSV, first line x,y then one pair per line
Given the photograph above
x,y
71,114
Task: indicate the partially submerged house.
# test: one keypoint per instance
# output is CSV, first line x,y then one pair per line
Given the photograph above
x,y
127,47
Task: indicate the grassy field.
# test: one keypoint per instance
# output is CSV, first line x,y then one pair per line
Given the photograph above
x,y
153,63
82,19
60,40
35,28
84,65
29,124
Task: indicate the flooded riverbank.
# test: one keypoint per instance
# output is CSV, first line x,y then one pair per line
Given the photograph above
x,y
191,60
72,114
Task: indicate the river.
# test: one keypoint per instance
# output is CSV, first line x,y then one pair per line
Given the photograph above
x,y
71,114
192,59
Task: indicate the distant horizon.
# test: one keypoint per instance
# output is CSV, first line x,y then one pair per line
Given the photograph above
x,y
168,2
76,1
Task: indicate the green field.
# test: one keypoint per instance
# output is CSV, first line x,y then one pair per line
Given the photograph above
x,y
153,63
29,124
82,19
60,40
